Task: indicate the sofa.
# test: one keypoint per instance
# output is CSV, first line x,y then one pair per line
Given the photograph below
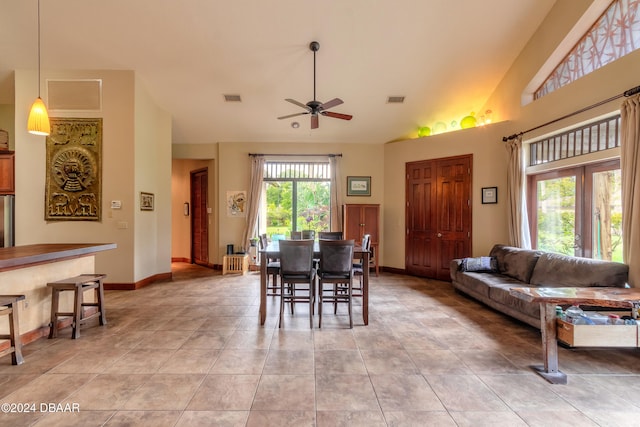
x,y
509,267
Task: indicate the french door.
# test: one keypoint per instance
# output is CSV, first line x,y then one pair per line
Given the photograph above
x,y
578,211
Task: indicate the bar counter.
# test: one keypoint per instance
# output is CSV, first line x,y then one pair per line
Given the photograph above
x,y
26,270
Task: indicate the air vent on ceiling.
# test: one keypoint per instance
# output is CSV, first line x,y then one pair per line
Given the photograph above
x,y
395,100
232,98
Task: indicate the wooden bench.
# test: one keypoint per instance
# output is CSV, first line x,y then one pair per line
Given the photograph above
x,y
78,285
9,307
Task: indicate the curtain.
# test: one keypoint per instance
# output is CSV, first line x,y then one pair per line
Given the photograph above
x,y
517,219
630,170
253,202
336,196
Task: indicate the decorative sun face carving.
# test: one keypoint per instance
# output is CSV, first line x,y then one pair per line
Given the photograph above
x,y
73,169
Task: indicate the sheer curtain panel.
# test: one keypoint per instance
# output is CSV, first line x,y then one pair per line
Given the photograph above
x,y
630,168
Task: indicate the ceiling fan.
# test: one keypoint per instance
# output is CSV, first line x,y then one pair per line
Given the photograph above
x,y
315,107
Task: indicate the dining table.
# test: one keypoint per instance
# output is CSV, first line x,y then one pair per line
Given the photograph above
x,y
272,251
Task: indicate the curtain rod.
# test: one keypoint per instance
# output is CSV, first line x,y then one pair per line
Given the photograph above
x,y
627,94
295,155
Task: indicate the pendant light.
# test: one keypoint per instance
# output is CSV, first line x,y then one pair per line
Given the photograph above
x,y
38,122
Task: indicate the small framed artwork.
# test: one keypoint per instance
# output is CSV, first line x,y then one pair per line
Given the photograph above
x,y
489,195
358,186
146,201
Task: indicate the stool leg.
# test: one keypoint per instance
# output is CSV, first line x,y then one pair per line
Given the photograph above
x,y
100,291
53,326
14,331
77,312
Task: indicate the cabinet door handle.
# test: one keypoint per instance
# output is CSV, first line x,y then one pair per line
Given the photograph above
x,y
439,234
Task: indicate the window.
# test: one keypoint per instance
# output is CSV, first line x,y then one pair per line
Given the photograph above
x,y
296,197
578,211
615,34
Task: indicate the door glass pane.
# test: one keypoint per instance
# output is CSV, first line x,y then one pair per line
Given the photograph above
x,y
556,217
607,216
279,208
313,206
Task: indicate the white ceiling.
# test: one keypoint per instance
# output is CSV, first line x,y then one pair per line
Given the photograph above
x,y
445,56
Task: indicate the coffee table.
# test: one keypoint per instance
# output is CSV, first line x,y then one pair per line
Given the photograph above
x,y
549,297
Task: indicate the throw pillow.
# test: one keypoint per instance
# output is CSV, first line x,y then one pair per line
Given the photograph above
x,y
483,264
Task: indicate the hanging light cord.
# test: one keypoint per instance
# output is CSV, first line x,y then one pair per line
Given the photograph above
x,y
38,48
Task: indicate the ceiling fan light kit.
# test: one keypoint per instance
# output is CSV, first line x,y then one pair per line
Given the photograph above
x,y
315,107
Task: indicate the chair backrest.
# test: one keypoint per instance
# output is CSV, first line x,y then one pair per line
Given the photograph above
x,y
336,256
296,256
296,235
308,234
366,242
263,241
330,235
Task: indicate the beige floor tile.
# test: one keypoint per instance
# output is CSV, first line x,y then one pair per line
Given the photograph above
x,y
165,340
225,393
487,362
164,392
465,393
49,388
107,391
419,419
563,419
487,419
292,340
285,392
388,361
438,362
144,419
346,392
334,340
79,419
526,392
255,339
339,362
351,419
405,393
287,362
140,361
92,361
291,418
189,361
232,361
213,418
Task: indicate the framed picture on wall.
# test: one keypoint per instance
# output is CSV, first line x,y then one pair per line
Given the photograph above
x,y
489,195
358,186
146,201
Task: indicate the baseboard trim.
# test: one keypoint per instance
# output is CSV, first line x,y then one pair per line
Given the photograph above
x,y
393,270
139,284
187,260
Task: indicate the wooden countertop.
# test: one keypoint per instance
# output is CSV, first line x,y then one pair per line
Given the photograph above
x,y
42,253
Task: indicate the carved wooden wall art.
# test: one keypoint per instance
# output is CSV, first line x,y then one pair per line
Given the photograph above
x,y
74,170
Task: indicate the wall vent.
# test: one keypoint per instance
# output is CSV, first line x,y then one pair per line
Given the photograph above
x,y
75,95
395,100
232,98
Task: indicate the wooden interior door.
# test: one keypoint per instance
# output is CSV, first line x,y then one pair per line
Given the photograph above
x,y
199,217
438,215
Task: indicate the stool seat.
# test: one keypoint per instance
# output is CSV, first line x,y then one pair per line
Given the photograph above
x,y
9,307
78,285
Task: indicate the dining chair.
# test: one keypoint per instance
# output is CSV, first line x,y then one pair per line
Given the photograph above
x,y
273,269
330,235
336,270
297,275
358,266
296,235
308,234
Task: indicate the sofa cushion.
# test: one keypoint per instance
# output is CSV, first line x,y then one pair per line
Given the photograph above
x,y
515,262
556,270
501,293
482,264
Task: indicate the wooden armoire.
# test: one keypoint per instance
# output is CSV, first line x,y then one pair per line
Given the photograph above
x,y
361,219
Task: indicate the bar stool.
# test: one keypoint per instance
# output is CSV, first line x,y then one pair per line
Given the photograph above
x,y
9,307
78,285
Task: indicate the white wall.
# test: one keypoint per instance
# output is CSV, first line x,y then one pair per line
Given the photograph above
x,y
121,175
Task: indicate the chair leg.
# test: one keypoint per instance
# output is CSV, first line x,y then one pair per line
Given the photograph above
x,y
320,305
281,303
53,329
77,316
312,292
350,302
14,334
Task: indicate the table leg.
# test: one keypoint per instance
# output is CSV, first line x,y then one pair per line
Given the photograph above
x,y
263,288
550,370
365,287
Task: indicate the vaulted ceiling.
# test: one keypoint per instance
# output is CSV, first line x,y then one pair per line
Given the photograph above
x,y
445,57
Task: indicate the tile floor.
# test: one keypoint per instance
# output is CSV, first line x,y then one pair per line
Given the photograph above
x,y
191,352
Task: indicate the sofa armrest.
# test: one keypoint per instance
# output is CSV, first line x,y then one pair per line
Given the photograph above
x,y
454,267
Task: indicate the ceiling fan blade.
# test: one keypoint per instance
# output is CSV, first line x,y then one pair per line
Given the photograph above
x,y
299,104
314,121
337,115
332,103
293,115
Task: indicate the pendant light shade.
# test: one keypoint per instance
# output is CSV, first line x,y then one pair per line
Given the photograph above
x,y
38,121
